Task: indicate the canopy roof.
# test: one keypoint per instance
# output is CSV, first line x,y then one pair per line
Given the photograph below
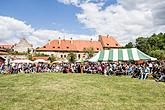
x,y
21,61
129,54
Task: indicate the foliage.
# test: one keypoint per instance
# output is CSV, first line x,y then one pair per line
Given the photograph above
x,y
28,51
50,91
30,57
40,54
153,45
17,53
71,57
160,54
89,51
52,58
129,45
143,45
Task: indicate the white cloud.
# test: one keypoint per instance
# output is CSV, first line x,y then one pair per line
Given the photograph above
x,y
79,2
12,27
11,30
125,20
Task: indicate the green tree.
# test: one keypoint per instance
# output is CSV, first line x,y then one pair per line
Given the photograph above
x,y
143,45
30,57
40,54
71,57
153,45
28,51
129,45
160,54
52,58
89,51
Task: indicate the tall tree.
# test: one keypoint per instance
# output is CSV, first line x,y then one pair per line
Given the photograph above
x,y
143,45
154,45
52,58
129,45
89,51
160,54
71,57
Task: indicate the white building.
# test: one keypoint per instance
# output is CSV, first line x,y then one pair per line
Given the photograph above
x,y
22,46
61,48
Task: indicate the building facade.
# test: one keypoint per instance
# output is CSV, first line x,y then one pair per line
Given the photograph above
x,y
22,46
61,48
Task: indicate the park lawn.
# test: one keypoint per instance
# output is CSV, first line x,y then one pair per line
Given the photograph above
x,y
47,91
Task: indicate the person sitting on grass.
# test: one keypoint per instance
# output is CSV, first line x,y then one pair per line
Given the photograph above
x,y
2,68
162,77
146,72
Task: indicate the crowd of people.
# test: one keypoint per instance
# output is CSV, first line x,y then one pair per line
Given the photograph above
x,y
141,71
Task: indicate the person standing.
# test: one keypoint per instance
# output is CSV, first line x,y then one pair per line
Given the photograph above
x,y
150,67
146,72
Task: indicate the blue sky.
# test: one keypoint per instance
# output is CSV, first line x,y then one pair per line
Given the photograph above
x,y
41,20
45,14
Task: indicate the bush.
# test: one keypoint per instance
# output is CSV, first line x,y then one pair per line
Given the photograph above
x,y
160,54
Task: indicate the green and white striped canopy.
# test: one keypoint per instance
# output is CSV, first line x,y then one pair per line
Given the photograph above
x,y
130,54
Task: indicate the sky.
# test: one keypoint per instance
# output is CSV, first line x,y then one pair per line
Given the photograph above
x,y
43,20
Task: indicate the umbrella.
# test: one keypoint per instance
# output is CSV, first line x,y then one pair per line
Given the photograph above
x,y
57,62
130,54
40,61
21,61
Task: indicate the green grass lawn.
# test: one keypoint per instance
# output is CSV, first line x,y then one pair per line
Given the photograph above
x,y
47,91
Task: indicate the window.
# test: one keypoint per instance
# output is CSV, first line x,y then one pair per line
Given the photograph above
x,y
79,56
97,48
67,47
53,47
107,44
117,45
58,47
44,46
64,56
61,56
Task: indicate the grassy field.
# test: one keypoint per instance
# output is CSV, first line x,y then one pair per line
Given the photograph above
x,y
47,91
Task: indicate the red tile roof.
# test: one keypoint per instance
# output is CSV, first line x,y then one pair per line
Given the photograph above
x,y
109,42
6,46
71,45
79,45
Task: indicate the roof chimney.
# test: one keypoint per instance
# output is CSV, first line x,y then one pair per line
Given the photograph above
x,y
91,40
59,41
100,36
71,41
49,42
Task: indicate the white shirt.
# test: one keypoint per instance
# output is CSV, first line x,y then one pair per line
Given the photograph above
x,y
150,65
